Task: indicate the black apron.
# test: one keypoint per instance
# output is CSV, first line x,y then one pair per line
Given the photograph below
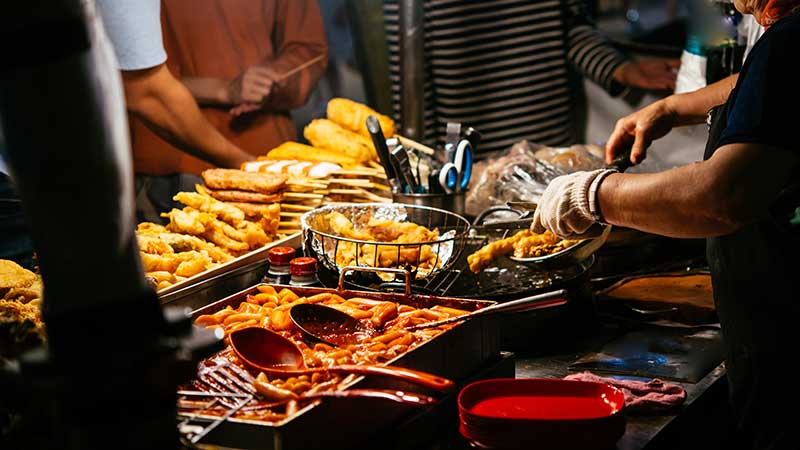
x,y
756,281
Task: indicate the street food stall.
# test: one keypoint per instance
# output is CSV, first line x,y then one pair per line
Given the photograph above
x,y
417,308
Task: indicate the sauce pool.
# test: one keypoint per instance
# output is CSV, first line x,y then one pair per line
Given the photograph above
x,y
545,407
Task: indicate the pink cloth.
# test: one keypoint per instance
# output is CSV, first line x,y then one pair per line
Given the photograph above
x,y
653,396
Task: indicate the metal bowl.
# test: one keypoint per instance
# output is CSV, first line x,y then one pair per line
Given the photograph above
x,y
328,246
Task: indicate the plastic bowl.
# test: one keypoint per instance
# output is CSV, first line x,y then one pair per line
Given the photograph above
x,y
541,413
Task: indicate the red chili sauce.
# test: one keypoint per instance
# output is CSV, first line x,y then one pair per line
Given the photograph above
x,y
544,407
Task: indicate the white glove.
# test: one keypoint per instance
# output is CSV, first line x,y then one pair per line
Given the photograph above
x,y
564,207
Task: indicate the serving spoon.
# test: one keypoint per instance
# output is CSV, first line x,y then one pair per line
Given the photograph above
x,y
267,351
332,326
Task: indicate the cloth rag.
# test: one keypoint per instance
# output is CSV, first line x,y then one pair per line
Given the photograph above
x,y
642,397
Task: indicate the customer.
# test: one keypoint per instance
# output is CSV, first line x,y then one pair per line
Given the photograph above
x,y
508,68
743,197
240,61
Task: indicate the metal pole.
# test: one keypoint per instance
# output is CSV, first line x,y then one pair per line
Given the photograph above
x,y
412,69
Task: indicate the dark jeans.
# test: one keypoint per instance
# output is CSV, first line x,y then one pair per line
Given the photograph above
x,y
154,194
15,239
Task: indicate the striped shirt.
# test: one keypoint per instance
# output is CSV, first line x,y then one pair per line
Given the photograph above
x,y
504,67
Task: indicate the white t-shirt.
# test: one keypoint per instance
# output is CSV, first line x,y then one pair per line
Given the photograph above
x,y
134,28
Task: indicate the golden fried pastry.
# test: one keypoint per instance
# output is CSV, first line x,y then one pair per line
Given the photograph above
x,y
12,275
524,244
302,152
323,133
224,211
234,196
353,116
264,183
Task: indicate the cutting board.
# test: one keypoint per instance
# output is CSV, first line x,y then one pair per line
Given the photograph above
x,y
682,297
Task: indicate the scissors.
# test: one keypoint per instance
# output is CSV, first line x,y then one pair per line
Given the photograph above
x,y
454,175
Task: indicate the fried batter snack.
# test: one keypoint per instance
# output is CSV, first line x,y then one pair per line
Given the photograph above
x,y
264,183
234,196
21,324
207,204
388,231
302,152
323,133
353,116
524,244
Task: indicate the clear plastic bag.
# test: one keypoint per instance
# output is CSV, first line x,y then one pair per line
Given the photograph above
x,y
522,173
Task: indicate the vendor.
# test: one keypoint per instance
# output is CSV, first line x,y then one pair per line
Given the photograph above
x,y
743,198
248,64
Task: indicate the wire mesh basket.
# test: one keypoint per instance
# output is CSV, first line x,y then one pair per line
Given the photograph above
x,y
422,251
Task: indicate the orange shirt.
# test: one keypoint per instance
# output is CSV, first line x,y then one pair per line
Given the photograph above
x,y
220,39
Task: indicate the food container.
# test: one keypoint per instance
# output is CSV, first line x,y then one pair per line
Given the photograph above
x,y
321,239
458,353
250,259
507,413
454,202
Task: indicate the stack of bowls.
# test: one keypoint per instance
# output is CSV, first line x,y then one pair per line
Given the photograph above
x,y
507,413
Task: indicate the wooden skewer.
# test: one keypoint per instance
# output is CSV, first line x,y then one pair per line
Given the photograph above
x,y
293,207
301,195
375,165
351,182
363,173
291,214
415,145
308,63
287,224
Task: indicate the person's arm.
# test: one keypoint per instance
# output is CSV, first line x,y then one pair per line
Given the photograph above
x,y
299,38
734,187
169,109
640,129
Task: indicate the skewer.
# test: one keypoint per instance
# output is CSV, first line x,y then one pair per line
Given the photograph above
x,y
351,182
301,195
291,214
375,165
301,67
287,224
415,145
294,207
363,173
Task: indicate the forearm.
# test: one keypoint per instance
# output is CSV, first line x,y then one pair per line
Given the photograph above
x,y
691,108
736,186
208,91
168,108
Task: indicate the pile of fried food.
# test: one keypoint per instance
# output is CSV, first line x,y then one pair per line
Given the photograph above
x,y
422,258
270,309
21,325
523,244
202,235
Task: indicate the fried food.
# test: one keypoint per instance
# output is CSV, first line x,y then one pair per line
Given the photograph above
x,y
524,244
323,133
264,183
12,275
302,152
353,116
380,230
224,211
235,196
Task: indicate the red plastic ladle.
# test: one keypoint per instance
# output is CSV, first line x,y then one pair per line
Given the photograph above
x,y
275,355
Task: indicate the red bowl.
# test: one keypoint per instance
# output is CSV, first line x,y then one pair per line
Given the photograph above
x,y
541,412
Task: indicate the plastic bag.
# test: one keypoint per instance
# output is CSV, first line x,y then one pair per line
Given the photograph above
x,y
522,173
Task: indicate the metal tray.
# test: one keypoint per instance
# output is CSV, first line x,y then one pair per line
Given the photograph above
x,y
258,255
458,353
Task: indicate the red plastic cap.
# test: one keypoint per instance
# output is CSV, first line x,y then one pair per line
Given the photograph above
x,y
280,255
303,266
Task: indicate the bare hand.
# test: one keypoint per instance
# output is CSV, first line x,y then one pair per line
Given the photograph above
x,y
649,74
639,130
253,86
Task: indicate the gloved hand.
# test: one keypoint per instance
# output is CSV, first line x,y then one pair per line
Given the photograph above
x,y
564,207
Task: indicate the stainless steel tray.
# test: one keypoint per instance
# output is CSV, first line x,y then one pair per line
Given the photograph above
x,y
258,255
458,354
